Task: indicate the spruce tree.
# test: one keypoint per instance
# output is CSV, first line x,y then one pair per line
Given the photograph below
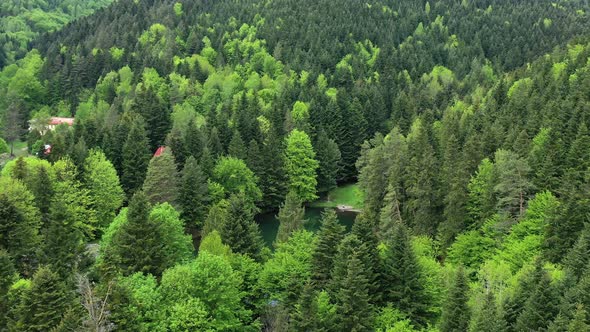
x,y
236,147
489,318
175,141
329,236
46,301
579,322
64,240
161,181
8,275
193,141
576,259
328,156
155,114
291,217
42,189
214,143
364,229
540,308
353,305
420,181
272,177
193,194
402,278
239,231
455,314
455,197
135,157
390,214
138,246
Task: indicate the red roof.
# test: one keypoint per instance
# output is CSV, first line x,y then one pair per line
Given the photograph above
x,y
160,151
57,121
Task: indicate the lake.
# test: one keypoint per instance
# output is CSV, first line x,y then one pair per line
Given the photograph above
x,y
269,224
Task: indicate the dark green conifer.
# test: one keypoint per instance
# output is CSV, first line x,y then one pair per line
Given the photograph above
x,y
239,231
291,217
46,302
193,195
136,156
161,180
237,148
455,313
490,317
328,156
329,236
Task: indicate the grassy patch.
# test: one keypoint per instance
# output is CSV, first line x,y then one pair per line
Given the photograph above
x,y
20,148
349,195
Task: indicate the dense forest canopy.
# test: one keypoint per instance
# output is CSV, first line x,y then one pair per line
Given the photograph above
x,y
457,131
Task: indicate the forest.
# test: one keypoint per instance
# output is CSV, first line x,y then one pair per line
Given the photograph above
x,y
311,165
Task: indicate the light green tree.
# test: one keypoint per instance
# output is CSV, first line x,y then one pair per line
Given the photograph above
x,y
301,166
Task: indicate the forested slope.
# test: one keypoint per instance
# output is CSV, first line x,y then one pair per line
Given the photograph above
x,y
464,124
23,21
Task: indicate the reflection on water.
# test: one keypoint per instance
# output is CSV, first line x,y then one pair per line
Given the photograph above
x,y
269,225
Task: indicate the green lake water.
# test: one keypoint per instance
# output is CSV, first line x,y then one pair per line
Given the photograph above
x,y
269,225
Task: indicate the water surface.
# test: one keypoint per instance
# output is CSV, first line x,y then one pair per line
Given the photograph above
x,y
269,224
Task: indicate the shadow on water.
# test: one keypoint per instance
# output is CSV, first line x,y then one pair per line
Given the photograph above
x,y
269,225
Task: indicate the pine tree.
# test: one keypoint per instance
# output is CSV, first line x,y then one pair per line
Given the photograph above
x,y
328,156
46,302
329,237
161,181
402,280
193,193
455,314
291,217
136,156
239,231
489,318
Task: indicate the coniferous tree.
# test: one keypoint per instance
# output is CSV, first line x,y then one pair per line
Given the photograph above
x,y
329,237
239,231
364,229
579,322
455,314
138,246
328,156
291,217
161,180
155,114
420,183
64,240
353,305
540,308
46,301
489,318
390,214
42,189
193,193
7,277
456,193
175,141
135,157
402,279
236,147
272,177
193,141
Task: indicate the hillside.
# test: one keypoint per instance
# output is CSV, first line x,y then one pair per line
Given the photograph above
x,y
459,130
